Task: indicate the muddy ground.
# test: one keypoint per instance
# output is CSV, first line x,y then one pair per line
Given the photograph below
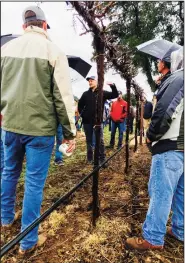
x,y
71,238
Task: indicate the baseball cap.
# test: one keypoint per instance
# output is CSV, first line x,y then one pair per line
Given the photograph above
x,y
91,77
39,14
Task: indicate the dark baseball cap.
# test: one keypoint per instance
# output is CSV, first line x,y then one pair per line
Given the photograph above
x,y
91,77
39,14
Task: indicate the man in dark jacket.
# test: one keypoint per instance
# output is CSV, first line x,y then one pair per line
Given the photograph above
x,y
164,69
166,185
86,107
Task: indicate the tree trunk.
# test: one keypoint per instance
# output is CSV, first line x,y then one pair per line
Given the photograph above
x,y
99,46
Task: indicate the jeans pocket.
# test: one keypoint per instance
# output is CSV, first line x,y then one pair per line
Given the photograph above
x,y
42,141
172,162
7,137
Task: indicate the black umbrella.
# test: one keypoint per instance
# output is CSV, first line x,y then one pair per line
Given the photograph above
x,y
76,63
159,48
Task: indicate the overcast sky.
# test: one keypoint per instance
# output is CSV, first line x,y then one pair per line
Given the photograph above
x,y
66,36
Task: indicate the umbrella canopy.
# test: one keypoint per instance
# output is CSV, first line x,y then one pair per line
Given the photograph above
x,y
76,63
159,48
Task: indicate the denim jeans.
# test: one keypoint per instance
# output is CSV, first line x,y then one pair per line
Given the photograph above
x,y
91,141
59,138
121,127
2,156
38,150
77,125
166,191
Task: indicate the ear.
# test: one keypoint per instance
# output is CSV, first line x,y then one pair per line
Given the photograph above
x,y
44,26
24,26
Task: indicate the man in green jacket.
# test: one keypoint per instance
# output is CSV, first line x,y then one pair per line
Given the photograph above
x,y
36,96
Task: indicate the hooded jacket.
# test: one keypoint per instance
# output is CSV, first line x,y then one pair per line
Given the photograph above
x,y
166,130
36,92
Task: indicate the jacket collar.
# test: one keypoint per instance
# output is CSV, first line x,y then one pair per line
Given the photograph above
x,y
38,30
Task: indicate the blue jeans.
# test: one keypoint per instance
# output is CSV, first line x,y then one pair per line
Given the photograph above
x,y
59,138
121,127
77,125
2,156
38,150
166,190
91,141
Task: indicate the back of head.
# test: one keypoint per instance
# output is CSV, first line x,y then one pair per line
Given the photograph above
x,y
34,16
177,60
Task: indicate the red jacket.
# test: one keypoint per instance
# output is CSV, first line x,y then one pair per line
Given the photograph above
x,y
119,110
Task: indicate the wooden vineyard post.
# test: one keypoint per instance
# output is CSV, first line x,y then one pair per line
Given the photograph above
x,y
136,127
99,46
128,84
117,56
141,122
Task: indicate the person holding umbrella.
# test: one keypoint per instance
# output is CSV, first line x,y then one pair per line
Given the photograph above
x,y
166,184
36,95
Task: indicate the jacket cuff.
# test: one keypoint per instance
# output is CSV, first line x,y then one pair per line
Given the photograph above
x,y
150,137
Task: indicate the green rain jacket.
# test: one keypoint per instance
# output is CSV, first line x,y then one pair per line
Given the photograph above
x,y
36,92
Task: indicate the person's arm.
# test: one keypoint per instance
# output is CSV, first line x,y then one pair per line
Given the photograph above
x,y
166,109
108,95
63,97
81,103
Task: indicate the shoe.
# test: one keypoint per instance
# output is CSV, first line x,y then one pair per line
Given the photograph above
x,y
16,217
59,163
41,240
140,244
170,234
109,147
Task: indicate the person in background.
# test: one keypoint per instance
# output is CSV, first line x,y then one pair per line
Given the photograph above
x,y
166,184
131,119
147,114
86,107
118,116
58,155
77,116
106,114
36,95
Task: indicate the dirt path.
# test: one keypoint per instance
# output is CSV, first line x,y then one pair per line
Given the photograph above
x,y
123,204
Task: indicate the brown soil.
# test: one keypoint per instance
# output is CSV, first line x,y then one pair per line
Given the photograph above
x,y
71,238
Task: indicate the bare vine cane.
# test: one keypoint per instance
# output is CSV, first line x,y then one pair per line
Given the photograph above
x,y
128,85
136,127
98,122
141,121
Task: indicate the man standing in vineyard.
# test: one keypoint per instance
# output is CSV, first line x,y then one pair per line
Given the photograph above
x,y
166,184
36,95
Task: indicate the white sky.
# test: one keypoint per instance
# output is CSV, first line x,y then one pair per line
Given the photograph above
x,y
63,34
